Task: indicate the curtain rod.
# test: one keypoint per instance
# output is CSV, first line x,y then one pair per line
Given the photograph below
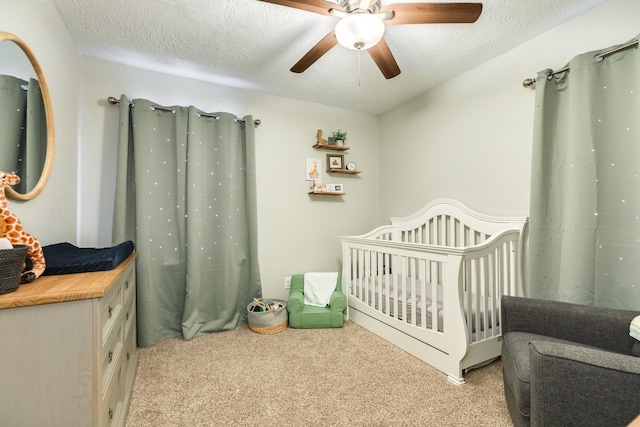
x,y
113,101
597,58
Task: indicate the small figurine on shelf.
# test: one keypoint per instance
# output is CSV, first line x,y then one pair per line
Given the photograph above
x,y
317,185
321,141
340,137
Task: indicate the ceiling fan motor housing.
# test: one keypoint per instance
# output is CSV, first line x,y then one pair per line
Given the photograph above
x,y
350,6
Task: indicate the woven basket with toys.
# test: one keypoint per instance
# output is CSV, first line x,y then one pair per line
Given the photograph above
x,y
267,316
11,263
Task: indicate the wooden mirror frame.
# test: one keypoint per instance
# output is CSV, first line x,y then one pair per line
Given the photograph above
x,y
48,108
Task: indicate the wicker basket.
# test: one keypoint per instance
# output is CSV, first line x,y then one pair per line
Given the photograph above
x,y
11,265
268,322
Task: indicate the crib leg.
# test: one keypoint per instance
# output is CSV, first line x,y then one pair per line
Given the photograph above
x,y
455,380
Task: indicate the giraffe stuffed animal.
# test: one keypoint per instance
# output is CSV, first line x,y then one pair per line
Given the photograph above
x,y
14,232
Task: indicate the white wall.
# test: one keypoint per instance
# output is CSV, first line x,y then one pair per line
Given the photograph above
x,y
470,138
51,216
297,232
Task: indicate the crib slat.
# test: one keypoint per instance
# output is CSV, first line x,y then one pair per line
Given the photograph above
x,y
486,296
435,278
387,274
477,300
477,295
377,275
467,294
403,280
433,318
351,269
516,270
361,276
366,267
422,267
496,287
411,295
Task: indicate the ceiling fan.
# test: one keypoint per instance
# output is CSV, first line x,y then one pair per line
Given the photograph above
x,y
362,24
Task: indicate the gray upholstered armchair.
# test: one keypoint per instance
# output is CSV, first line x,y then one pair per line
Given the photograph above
x,y
568,364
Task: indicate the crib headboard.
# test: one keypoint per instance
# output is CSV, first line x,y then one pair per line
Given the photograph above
x,y
447,222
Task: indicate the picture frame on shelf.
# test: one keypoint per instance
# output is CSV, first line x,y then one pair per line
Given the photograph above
x,y
335,188
335,161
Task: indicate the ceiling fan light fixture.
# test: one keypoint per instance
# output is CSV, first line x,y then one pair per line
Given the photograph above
x,y
359,31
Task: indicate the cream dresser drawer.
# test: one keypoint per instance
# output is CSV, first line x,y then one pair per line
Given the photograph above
x,y
129,317
110,355
110,307
129,286
112,405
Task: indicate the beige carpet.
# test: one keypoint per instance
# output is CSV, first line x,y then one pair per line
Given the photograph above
x,y
317,377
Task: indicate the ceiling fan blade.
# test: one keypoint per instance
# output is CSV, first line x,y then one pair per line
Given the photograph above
x,y
316,6
382,56
322,47
433,13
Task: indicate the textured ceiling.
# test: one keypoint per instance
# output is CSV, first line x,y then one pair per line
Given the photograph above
x,y
252,44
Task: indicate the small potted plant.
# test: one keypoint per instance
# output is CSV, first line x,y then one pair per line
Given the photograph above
x,y
340,137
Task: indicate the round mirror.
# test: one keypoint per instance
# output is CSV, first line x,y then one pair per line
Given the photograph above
x,y
26,118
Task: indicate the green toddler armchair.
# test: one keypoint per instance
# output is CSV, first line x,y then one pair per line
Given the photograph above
x,y
309,316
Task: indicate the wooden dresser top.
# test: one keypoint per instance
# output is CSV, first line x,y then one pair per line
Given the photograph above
x,y
65,287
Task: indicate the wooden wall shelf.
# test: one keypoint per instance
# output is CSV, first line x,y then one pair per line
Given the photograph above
x,y
354,172
328,193
331,147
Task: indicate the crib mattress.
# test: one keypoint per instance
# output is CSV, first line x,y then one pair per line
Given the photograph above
x,y
381,289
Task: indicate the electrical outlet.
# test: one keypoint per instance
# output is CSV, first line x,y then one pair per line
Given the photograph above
x,y
287,282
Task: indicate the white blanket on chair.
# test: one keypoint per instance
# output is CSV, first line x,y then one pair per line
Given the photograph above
x,y
318,288
634,328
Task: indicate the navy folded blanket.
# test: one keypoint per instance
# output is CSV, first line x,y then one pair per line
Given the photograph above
x,y
65,258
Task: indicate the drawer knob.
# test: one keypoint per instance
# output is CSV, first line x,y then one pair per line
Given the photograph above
x,y
110,356
127,316
126,284
110,413
110,312
128,355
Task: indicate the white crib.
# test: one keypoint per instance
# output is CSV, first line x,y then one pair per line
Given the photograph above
x,y
430,283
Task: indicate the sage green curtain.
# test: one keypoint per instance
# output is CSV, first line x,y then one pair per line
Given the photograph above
x,y
23,125
13,103
585,188
185,194
35,149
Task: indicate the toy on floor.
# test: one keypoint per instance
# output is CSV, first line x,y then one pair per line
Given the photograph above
x,y
261,306
14,232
